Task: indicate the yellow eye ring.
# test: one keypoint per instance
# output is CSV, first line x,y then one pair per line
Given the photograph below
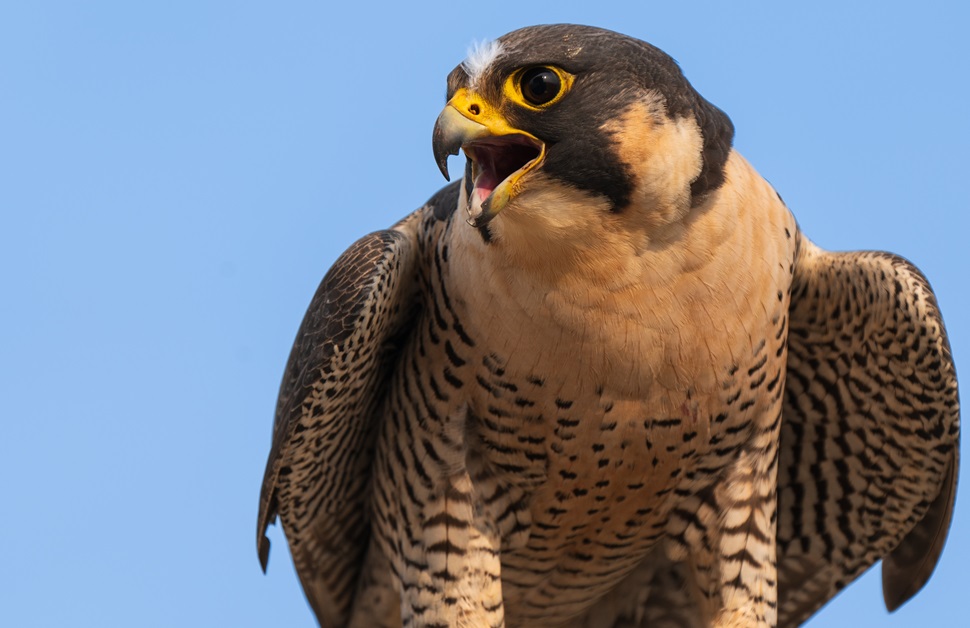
x,y
538,87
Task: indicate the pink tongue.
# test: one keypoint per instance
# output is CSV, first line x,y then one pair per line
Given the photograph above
x,y
485,183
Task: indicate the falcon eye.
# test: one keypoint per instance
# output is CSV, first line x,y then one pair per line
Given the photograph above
x,y
540,85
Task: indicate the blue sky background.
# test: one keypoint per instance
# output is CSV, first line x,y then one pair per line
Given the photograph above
x,y
176,177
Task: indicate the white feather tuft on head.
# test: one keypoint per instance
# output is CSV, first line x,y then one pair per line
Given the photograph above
x,y
481,54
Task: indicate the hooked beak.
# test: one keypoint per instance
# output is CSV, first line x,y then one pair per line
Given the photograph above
x,y
499,155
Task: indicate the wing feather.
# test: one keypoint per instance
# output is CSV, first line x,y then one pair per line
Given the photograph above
x,y
318,470
869,443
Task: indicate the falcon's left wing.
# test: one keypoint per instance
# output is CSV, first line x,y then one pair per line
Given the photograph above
x,y
870,430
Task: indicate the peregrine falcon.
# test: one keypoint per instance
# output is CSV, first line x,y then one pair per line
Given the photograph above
x,y
604,380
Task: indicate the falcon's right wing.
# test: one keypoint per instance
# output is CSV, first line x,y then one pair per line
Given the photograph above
x,y
318,473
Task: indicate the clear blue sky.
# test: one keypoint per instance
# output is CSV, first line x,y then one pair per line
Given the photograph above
x,y
176,177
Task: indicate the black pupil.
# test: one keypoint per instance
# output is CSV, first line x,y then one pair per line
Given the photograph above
x,y
540,85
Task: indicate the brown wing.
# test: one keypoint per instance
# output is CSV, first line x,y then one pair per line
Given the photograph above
x,y
318,471
869,442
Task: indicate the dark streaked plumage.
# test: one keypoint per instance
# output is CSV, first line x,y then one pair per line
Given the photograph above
x,y
630,393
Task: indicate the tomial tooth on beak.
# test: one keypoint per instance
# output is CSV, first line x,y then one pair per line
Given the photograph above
x,y
451,130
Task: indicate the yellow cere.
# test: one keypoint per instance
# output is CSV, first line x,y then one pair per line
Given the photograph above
x,y
471,105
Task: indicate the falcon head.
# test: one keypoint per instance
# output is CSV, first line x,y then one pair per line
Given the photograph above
x,y
565,124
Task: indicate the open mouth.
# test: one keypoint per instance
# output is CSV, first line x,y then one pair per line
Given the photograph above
x,y
497,159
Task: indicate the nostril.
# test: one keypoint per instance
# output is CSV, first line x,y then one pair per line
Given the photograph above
x,y
473,109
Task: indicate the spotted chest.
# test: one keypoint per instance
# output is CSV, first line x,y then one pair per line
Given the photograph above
x,y
596,475
565,461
